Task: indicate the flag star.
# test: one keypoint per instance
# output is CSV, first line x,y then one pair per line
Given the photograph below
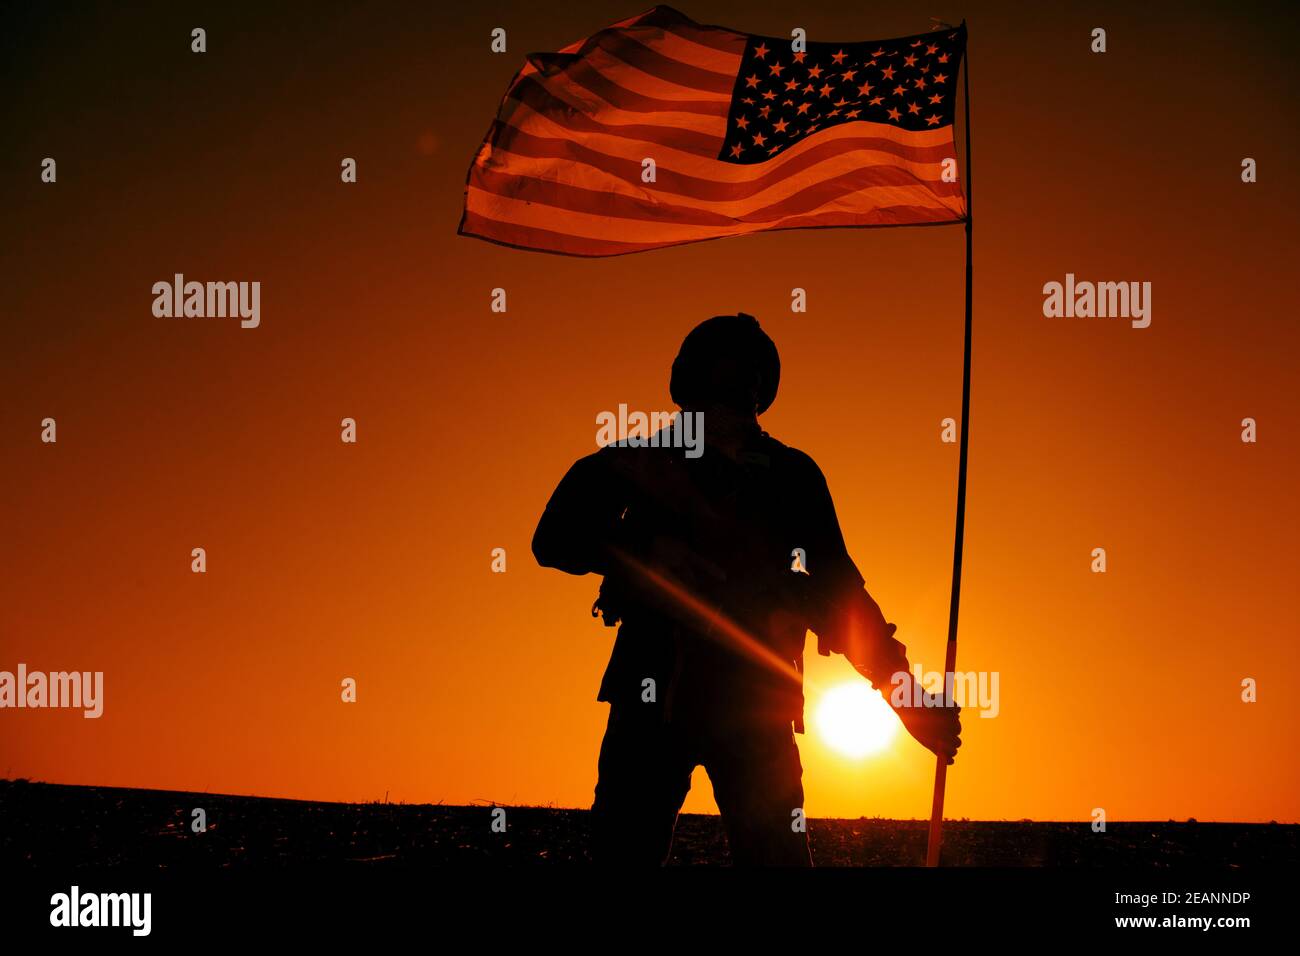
x,y
887,72
803,108
944,58
760,139
913,108
742,122
925,69
877,100
735,150
809,88
787,102
936,98
894,114
917,43
751,81
900,90
931,50
838,57
798,57
791,84
932,121
776,69
764,111
880,52
780,126
769,95
864,89
848,75
773,149
815,72
852,113
909,61
939,78
827,90
761,51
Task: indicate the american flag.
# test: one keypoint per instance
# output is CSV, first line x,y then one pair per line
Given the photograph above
x,y
743,134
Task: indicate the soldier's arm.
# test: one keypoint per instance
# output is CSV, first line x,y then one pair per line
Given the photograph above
x,y
847,620
582,516
844,616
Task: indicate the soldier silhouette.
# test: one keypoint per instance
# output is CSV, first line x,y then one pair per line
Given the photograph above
x,y
700,566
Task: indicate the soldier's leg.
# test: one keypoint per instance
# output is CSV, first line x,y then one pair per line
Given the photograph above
x,y
758,782
644,776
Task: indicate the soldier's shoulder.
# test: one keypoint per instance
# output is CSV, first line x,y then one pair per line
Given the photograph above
x,y
793,458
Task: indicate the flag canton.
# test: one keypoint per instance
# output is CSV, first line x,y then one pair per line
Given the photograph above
x,y
782,96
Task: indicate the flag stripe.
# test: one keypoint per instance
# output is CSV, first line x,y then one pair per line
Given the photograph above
x,y
524,236
722,58
586,100
647,84
586,76
623,48
621,205
625,181
599,225
648,99
541,104
889,186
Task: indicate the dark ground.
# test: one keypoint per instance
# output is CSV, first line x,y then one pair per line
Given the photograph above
x,y
47,825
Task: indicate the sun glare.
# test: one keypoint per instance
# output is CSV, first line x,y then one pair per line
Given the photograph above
x,y
855,720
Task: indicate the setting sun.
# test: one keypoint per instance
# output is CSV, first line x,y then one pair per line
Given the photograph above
x,y
855,720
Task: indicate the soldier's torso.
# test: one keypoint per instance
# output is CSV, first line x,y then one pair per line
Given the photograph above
x,y
722,642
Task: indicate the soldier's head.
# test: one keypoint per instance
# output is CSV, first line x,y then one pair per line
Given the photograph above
x,y
726,361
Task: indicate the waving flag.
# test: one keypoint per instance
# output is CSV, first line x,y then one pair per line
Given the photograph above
x,y
659,131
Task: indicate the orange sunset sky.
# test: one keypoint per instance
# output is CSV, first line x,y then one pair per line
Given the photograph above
x,y
373,561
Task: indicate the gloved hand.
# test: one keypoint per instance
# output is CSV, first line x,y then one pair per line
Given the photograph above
x,y
935,726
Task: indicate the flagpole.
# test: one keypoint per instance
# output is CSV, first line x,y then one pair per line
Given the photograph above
x,y
950,655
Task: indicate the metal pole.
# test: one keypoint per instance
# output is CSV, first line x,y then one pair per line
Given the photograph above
x,y
950,656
